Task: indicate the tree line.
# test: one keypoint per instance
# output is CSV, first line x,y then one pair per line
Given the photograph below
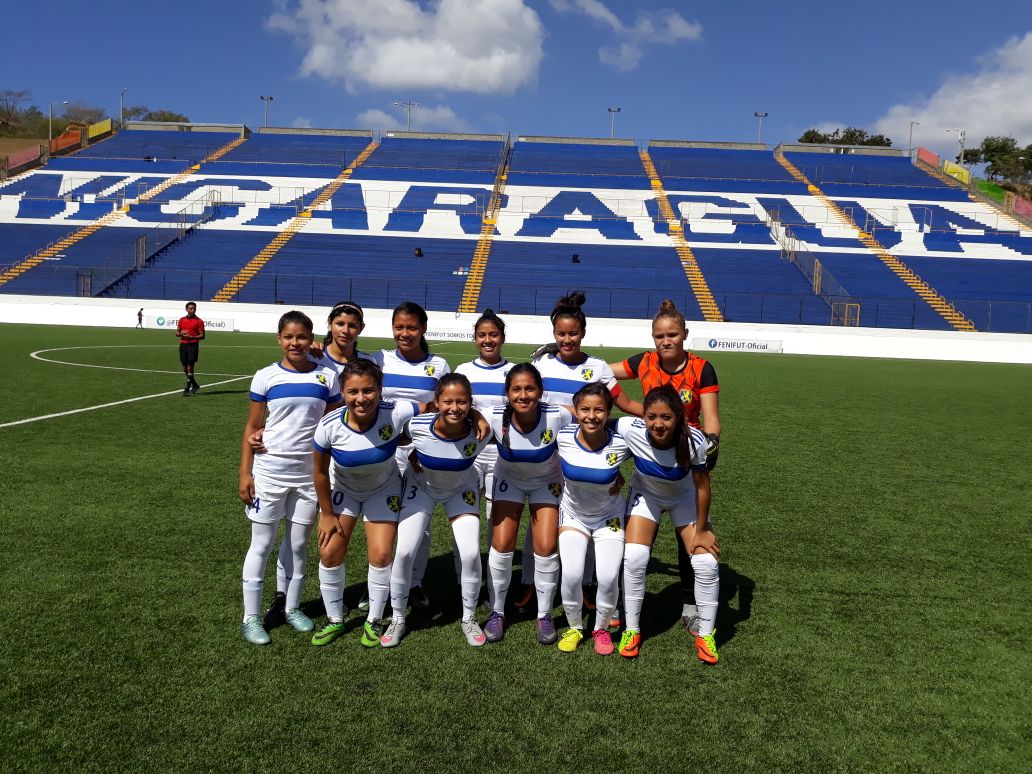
x,y
20,118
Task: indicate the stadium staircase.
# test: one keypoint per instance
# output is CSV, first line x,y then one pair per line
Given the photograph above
x,y
973,195
477,269
296,225
708,305
927,293
75,237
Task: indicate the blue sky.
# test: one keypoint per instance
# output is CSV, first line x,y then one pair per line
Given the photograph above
x,y
678,70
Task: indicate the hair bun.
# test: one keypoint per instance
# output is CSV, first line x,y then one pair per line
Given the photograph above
x,y
667,306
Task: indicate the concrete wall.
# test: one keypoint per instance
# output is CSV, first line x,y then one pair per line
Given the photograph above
x,y
444,136
524,329
175,126
856,150
578,140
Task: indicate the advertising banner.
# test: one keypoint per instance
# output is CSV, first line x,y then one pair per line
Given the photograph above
x,y
170,320
738,345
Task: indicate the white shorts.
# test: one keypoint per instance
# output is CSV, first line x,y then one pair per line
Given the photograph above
x,y
512,490
273,502
484,465
383,504
416,499
606,528
651,507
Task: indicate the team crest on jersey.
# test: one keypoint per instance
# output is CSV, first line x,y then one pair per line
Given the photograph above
x,y
469,497
394,503
612,458
686,396
322,380
547,436
469,449
555,489
429,370
614,524
587,374
385,432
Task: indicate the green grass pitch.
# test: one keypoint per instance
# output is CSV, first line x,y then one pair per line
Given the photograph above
x,y
874,517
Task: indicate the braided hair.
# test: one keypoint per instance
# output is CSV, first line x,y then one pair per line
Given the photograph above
x,y
508,411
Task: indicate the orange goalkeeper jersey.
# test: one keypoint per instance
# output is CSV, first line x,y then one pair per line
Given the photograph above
x,y
693,379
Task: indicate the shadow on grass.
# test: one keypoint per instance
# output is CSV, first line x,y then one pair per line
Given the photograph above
x,y
204,392
662,611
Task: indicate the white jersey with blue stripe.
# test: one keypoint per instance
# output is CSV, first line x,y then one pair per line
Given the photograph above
x,y
447,465
657,469
590,474
325,360
562,380
296,401
364,462
530,458
488,382
410,380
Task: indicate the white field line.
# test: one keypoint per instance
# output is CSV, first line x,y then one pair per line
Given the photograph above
x,y
38,355
113,403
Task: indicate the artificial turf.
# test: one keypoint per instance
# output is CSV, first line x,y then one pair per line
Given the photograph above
x,y
874,520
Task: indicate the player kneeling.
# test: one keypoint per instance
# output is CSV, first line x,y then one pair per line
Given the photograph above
x,y
670,475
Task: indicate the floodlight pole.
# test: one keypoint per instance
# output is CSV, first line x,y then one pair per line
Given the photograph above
x,y
759,128
910,137
50,124
266,100
961,136
408,105
121,108
612,124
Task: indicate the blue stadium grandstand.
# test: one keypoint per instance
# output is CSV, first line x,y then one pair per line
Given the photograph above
x,y
358,234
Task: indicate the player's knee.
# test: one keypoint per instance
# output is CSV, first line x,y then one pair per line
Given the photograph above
x,y
705,563
636,557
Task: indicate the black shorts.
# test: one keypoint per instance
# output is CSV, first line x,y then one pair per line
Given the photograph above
x,y
188,353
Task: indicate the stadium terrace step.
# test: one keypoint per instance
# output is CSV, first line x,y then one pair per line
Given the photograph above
x,y
106,220
703,295
921,288
297,224
482,252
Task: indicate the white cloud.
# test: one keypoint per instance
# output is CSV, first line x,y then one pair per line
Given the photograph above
x,y
992,100
439,118
480,46
663,27
302,123
378,119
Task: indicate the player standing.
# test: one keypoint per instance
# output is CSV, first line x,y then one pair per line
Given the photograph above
x,y
591,510
360,439
411,373
277,484
670,475
695,381
446,446
527,470
190,332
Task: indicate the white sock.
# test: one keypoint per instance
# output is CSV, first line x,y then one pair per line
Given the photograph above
x,y
379,590
499,573
466,530
572,547
292,555
635,564
262,538
422,557
281,572
331,584
546,573
410,532
608,563
707,590
527,573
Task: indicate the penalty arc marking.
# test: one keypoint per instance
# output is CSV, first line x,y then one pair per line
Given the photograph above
x,y
39,355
